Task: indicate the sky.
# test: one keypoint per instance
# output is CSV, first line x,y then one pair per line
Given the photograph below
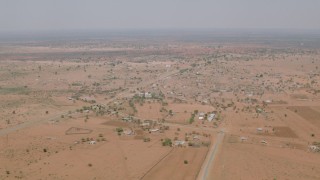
x,y
46,15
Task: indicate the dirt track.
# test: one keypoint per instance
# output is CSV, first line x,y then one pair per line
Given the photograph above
x,y
204,172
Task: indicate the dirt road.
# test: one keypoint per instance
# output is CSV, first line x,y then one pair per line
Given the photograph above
x,y
204,172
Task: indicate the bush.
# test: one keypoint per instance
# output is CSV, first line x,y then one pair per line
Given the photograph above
x,y
185,162
119,130
191,119
167,142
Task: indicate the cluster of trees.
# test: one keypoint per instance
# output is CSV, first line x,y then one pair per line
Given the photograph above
x,y
119,130
193,115
131,104
167,142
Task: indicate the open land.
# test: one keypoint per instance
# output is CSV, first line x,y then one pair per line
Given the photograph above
x,y
161,106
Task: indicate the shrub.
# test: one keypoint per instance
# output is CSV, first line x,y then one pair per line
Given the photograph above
x,y
167,142
119,130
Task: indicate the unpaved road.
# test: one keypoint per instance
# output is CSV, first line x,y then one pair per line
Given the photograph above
x,y
204,172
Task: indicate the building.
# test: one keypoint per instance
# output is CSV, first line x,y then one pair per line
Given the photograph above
x,y
179,143
154,130
201,115
147,95
92,142
211,117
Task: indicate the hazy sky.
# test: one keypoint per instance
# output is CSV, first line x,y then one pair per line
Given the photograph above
x,y
21,15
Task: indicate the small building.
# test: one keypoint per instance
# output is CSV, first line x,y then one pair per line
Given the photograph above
x,y
243,138
92,142
196,137
128,132
179,143
201,115
147,95
140,94
211,117
154,130
268,101
145,124
128,119
259,129
259,110
264,142
314,148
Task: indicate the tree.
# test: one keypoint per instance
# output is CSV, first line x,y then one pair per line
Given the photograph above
x,y
167,142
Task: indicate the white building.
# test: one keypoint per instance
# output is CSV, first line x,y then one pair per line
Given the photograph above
x,y
201,115
211,117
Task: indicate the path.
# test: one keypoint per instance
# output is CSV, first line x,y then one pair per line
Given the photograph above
x,y
207,165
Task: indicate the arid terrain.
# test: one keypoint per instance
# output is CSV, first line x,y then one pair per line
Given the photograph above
x,y
188,105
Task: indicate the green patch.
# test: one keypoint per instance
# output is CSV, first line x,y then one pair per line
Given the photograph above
x,y
14,90
76,84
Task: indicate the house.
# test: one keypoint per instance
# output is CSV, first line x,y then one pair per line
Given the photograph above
x,y
196,137
211,117
259,129
243,138
179,143
268,101
154,130
140,94
147,95
145,124
264,142
128,119
128,132
92,142
201,115
259,110
314,148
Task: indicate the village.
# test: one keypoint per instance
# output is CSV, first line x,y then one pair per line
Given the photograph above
x,y
150,108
